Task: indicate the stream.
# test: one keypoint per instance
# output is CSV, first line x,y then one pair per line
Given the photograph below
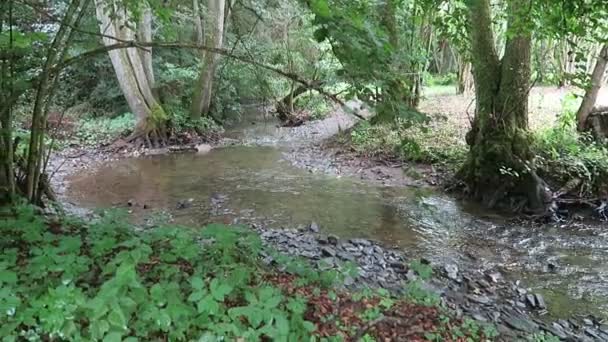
x,y
251,181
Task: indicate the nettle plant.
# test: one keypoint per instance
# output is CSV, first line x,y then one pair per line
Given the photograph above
x,y
67,281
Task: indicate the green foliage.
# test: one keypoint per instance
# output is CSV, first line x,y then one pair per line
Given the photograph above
x,y
102,130
543,337
563,154
315,104
64,280
441,80
404,141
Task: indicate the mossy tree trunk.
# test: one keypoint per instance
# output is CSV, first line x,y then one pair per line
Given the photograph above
x,y
500,163
133,79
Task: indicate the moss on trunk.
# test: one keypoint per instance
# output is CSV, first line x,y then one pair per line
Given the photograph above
x,y
500,167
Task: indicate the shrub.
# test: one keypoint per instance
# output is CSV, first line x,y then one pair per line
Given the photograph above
x,y
102,130
407,142
564,155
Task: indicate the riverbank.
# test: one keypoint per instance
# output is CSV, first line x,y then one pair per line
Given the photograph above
x,y
304,144
106,280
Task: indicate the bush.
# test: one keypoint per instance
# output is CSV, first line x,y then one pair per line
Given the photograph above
x,y
102,130
564,155
407,142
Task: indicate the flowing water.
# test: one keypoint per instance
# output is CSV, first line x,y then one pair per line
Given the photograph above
x,y
569,265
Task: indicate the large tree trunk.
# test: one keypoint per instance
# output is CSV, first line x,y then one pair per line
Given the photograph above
x,y
214,30
199,35
132,77
7,172
500,163
145,35
592,92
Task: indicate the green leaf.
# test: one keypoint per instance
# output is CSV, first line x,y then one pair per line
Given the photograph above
x,y
117,318
219,290
113,337
196,296
208,305
163,320
8,277
320,8
197,283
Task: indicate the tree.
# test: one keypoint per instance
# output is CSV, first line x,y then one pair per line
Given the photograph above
x,y
595,84
203,91
133,68
500,162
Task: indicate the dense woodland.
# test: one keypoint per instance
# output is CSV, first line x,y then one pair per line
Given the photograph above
x,y
128,74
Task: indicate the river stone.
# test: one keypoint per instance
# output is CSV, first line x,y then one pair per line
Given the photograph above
x,y
326,263
361,242
520,323
593,334
479,299
558,331
314,227
349,281
451,271
346,256
328,251
494,277
332,239
531,299
540,301
322,240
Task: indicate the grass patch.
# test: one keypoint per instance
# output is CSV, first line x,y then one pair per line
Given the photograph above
x,y
62,279
434,145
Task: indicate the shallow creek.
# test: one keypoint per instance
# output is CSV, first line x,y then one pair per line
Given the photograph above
x,y
251,182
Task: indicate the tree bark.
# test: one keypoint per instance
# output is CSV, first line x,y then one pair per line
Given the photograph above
x,y
465,78
592,92
500,163
7,172
145,35
199,35
132,77
203,92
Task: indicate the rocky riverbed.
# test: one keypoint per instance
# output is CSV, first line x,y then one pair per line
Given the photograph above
x,y
485,296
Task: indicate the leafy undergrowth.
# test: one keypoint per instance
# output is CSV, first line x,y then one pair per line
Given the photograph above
x,y
62,280
399,141
572,160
